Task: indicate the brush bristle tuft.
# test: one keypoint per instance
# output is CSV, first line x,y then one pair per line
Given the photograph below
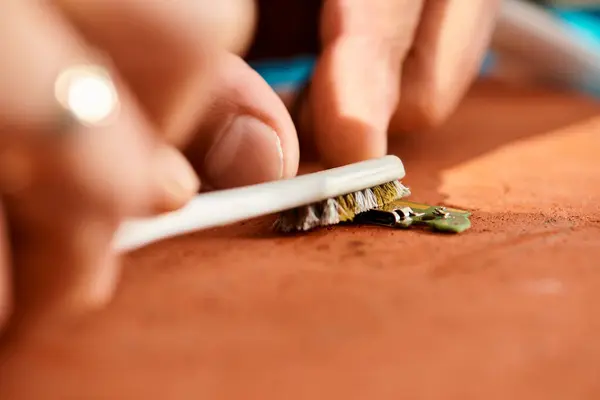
x,y
340,209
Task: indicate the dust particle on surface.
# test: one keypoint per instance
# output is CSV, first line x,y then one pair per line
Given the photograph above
x,y
360,253
323,247
356,243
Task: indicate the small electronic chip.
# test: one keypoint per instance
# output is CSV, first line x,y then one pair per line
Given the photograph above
x,y
404,214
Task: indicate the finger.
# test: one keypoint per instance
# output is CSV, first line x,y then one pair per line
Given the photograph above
x,y
161,50
164,50
446,56
5,289
69,192
176,181
248,136
356,85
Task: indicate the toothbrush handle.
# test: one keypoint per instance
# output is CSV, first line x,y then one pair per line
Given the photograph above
x,y
233,205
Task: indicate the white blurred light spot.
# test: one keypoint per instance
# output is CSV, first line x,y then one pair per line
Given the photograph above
x,y
88,93
91,99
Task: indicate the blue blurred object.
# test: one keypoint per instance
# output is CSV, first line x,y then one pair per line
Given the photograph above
x,y
290,74
585,22
286,74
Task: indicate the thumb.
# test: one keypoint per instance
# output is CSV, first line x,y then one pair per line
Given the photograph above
x,y
248,136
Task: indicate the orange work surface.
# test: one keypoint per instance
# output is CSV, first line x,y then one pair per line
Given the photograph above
x,y
507,310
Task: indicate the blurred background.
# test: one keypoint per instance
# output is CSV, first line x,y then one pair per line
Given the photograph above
x,y
548,42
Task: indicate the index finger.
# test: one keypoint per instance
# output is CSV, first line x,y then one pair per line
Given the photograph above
x,y
166,51
356,85
77,182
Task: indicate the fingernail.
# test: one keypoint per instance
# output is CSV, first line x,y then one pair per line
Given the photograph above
x,y
247,152
178,181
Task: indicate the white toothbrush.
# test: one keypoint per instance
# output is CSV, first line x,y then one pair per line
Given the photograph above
x,y
234,205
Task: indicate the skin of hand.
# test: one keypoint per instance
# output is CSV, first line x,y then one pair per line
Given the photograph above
x,y
181,84
384,66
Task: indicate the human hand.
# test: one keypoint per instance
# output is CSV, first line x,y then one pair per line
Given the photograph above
x,y
65,191
172,63
385,66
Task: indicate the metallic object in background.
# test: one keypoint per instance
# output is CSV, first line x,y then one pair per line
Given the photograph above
x,y
569,3
530,34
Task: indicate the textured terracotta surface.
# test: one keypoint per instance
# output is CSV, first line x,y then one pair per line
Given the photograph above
x,y
506,310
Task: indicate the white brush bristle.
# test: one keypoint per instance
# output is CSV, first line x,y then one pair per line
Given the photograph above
x,y
331,212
